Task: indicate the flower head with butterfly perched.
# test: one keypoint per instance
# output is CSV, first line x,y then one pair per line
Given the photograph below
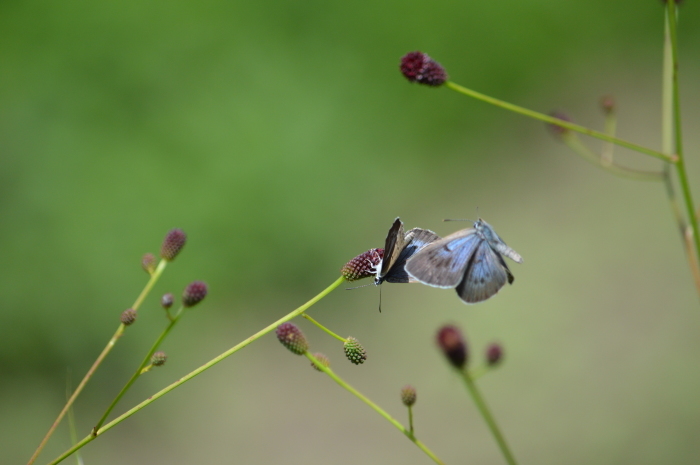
x,y
470,261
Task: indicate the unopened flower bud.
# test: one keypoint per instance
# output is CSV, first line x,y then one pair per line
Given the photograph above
x,y
607,104
419,67
128,316
354,351
362,266
292,338
408,395
322,359
173,243
452,344
194,293
494,354
158,359
148,263
167,300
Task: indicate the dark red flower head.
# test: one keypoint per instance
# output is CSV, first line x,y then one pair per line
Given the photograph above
x,y
419,67
452,344
194,293
292,338
362,266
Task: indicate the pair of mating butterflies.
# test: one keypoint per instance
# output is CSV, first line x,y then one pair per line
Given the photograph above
x,y
470,260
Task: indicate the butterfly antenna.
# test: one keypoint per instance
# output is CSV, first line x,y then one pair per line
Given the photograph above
x,y
357,287
457,219
380,299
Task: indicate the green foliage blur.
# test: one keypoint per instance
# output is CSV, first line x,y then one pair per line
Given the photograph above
x,y
282,138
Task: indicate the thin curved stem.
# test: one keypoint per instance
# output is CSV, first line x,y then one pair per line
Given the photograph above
x,y
488,418
139,300
671,158
323,328
408,433
198,371
574,143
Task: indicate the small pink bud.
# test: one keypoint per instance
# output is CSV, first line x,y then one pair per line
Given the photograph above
x,y
148,263
173,243
494,354
607,104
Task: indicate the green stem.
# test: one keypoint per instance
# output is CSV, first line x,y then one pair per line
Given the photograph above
x,y
323,328
606,154
667,146
574,143
138,371
488,418
149,285
677,126
374,407
478,372
71,421
196,372
410,418
558,122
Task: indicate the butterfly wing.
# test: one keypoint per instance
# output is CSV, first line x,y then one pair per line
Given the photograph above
x,y
485,275
415,240
443,262
393,245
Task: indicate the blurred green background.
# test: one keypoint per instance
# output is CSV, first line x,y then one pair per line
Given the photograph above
x,y
281,137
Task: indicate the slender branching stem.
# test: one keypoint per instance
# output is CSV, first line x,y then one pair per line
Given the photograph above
x,y
488,418
106,427
678,135
671,158
574,143
667,146
323,328
410,419
139,370
374,407
149,285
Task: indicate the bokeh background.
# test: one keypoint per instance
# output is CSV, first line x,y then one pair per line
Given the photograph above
x,y
281,137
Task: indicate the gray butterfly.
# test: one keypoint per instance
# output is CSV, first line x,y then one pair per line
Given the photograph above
x,y
469,260
398,248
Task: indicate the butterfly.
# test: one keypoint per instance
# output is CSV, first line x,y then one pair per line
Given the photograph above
x,y
398,248
470,261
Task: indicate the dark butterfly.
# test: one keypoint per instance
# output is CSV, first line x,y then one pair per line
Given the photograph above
x,y
398,248
469,261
